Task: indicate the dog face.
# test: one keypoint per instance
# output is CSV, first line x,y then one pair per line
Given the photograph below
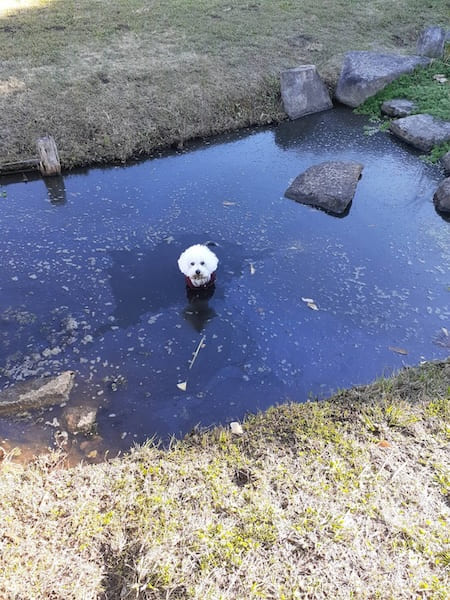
x,y
198,263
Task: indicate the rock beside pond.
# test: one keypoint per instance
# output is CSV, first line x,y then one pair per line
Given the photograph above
x,y
399,107
303,92
330,185
445,160
431,42
80,419
365,73
36,393
421,131
441,197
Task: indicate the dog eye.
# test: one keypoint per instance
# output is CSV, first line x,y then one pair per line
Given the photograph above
x,y
203,262
192,264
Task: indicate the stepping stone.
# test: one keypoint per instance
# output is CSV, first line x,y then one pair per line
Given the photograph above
x,y
431,42
303,92
441,197
365,73
421,131
398,107
329,185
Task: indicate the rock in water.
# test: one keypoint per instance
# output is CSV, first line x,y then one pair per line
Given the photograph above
x,y
421,131
80,419
441,197
365,73
36,393
330,185
303,92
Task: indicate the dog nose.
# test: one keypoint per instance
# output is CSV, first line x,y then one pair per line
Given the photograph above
x,y
197,272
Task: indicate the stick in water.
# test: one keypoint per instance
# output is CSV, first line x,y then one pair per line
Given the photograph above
x,y
196,352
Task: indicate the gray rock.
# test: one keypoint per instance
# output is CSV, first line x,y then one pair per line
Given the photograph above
x,y
330,185
398,107
80,419
431,42
445,160
36,393
303,92
421,131
441,196
365,73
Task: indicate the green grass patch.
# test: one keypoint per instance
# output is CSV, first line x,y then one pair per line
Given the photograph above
x,y
421,87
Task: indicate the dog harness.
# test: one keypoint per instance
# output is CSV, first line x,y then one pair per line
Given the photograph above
x,y
205,286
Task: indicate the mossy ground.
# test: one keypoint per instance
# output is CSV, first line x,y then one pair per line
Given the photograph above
x,y
346,498
425,89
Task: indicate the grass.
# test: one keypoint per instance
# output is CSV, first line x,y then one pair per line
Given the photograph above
x,y
111,84
346,498
424,90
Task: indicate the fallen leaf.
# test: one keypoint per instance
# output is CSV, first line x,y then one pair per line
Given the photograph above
x,y
398,350
383,444
236,428
182,386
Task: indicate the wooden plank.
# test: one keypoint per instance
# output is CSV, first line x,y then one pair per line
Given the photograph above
x,y
20,166
49,158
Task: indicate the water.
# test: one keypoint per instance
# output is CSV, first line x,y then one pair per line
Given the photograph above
x,y
89,282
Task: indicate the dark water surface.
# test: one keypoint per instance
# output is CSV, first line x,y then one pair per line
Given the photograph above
x,y
89,281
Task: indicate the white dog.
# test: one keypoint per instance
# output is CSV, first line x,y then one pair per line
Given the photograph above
x,y
198,264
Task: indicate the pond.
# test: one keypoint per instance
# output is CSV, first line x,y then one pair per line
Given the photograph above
x,y
89,282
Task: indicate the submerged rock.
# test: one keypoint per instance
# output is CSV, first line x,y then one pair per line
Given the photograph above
x,y
431,42
366,73
399,107
330,185
441,196
36,393
303,92
80,419
421,131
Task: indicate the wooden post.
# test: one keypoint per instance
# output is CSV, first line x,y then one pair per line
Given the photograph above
x,y
48,155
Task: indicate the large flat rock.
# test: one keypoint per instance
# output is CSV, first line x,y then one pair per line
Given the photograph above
x,y
421,131
36,393
303,92
329,185
366,73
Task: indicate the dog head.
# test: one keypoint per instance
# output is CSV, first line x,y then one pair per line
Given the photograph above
x,y
198,264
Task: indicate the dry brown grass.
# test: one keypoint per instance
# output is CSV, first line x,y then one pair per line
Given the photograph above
x,y
112,80
340,499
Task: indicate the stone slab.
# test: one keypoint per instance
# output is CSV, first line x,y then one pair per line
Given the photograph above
x,y
36,393
303,92
329,185
431,42
421,131
366,73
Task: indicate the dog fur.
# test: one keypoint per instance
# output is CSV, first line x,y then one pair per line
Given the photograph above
x,y
198,264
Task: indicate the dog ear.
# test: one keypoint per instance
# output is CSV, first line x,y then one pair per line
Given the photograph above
x,y
214,261
181,262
